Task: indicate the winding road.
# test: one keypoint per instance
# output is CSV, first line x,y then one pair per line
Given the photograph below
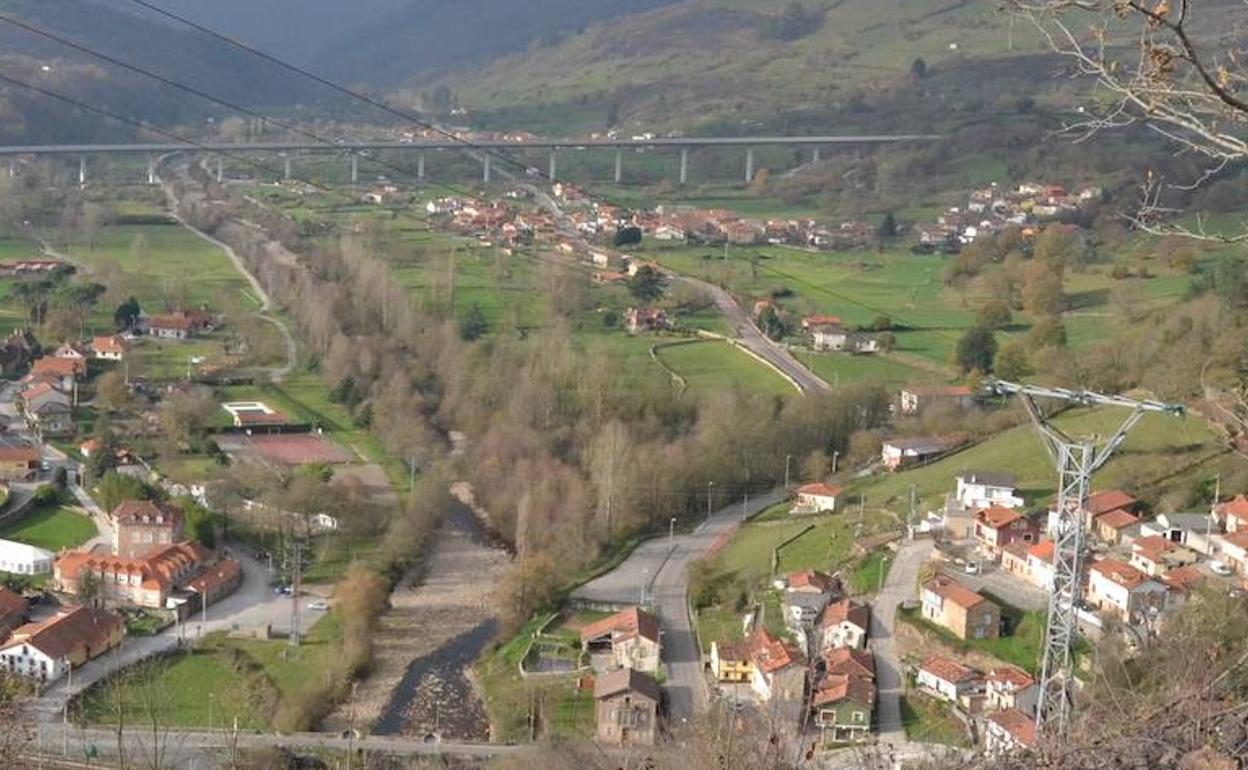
x,y
658,571
900,586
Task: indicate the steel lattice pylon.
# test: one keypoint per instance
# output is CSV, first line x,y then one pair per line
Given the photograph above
x,y
1076,461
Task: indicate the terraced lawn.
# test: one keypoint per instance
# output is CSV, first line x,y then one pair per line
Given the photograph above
x,y
52,528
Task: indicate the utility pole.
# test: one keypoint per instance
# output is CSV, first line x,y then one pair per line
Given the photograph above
x,y
709,486
1076,460
787,460
296,584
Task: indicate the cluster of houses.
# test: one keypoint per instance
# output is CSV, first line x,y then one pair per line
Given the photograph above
x,y
717,226
817,672
624,651
1139,568
148,564
990,210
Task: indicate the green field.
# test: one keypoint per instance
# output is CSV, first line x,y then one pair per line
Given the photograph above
x,y
222,677
844,369
1022,647
927,720
743,568
52,528
715,367
1161,452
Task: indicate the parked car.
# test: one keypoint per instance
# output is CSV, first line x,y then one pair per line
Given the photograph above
x,y
319,604
1220,568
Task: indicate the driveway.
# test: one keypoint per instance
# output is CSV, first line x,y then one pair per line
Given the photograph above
x,y
659,569
1010,589
900,586
253,604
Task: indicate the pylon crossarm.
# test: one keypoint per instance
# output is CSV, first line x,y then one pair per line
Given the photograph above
x,y
1116,440
1053,438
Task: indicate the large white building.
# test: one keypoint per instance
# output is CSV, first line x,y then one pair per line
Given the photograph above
x,y
983,489
24,559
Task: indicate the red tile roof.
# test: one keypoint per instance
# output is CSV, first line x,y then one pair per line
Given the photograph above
x,y
114,344
1183,578
951,590
624,624
998,517
1238,538
1017,724
947,669
1012,677
626,680
1117,519
1119,572
846,611
810,578
1100,503
1236,507
769,654
12,604
157,570
933,391
820,489
145,512
849,662
223,573
1042,550
838,687
19,453
58,636
59,367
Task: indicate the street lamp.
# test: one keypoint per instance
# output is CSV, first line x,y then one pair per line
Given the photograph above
x,y
787,460
709,486
835,456
671,534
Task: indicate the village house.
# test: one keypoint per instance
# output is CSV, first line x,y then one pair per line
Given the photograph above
x,y
179,325
248,414
61,371
730,663
843,624
951,605
899,453
627,639
997,527
1232,549
984,489
1233,513
24,559
806,594
1010,687
1181,582
1008,731
1116,527
110,348
646,319
810,322
1106,502
216,582
626,708
840,339
46,650
1040,563
779,673
148,581
13,607
1014,561
815,498
18,461
948,679
1154,555
1122,591
48,411
142,525
1193,530
917,398
843,700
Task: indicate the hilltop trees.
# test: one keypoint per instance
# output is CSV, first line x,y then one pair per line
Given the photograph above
x,y
976,350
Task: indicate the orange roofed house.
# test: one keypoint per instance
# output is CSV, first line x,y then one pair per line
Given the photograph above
x,y
627,639
1122,591
779,670
46,650
816,498
148,581
111,348
968,615
998,527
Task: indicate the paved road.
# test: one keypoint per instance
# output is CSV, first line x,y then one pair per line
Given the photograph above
x,y
253,604
1012,590
900,586
659,568
752,338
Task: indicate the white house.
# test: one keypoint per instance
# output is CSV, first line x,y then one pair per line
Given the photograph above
x,y
844,624
985,489
44,651
1194,530
1009,687
1123,591
1040,563
816,498
1233,549
24,559
946,678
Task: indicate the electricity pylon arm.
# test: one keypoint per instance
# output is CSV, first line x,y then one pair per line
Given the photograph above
x,y
1076,460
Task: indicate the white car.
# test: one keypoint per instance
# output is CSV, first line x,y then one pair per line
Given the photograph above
x,y
318,605
972,568
1219,568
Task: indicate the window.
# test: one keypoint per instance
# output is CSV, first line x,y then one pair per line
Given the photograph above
x,y
859,717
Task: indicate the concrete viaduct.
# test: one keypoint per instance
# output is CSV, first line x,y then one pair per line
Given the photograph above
x,y
487,150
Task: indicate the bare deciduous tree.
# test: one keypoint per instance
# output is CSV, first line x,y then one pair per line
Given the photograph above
x,y
1162,64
